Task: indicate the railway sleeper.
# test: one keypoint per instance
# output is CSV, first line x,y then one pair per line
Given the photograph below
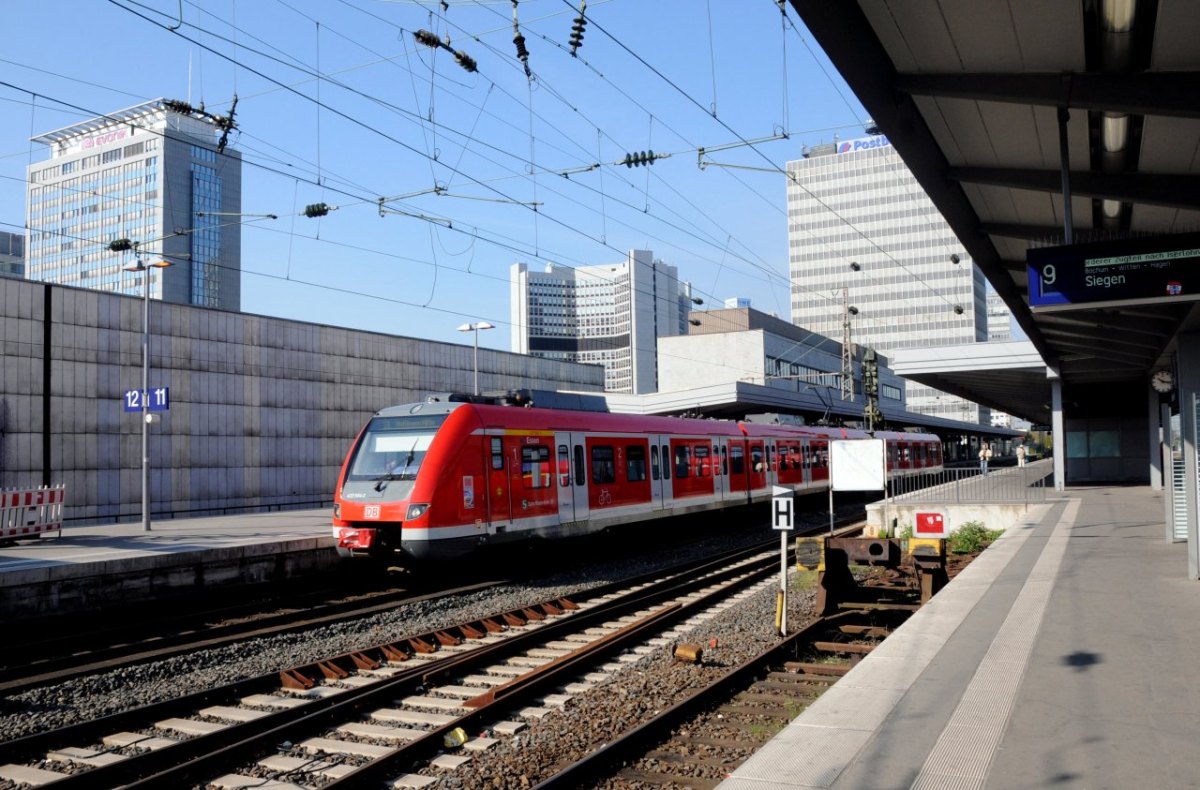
x,y
848,648
830,671
655,778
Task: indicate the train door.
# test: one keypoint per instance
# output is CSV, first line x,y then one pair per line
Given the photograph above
x,y
714,467
757,464
571,474
660,465
739,480
498,490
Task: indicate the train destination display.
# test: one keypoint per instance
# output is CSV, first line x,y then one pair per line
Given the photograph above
x,y
1133,271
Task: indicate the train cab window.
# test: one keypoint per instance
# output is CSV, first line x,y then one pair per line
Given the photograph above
x,y
654,462
497,453
604,470
756,459
683,460
666,462
580,475
535,466
737,459
703,464
564,466
635,463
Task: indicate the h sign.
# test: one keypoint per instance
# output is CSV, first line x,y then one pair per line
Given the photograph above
x,y
782,506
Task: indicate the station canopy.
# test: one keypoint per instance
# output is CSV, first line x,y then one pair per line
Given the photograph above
x,y
982,99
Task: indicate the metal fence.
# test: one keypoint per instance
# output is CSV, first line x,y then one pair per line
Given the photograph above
x,y
1026,484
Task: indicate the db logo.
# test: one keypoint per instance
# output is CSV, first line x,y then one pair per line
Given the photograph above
x,y
371,512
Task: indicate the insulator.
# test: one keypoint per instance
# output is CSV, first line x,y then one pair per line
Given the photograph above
x,y
316,210
577,30
522,52
427,38
120,245
466,61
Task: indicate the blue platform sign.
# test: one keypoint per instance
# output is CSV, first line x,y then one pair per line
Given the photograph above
x,y
1148,270
159,400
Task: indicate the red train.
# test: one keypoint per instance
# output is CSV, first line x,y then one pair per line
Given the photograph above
x,y
434,481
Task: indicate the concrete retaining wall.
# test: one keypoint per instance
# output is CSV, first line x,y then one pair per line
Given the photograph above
x,y
262,409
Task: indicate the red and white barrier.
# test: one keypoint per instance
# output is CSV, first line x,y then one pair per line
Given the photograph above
x,y
25,512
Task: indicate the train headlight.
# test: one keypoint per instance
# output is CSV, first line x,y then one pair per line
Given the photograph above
x,y
415,512
337,509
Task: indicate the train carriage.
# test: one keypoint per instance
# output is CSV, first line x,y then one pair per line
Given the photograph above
x,y
435,480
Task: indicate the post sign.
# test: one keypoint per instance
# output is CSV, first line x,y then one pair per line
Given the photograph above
x,y
857,465
783,507
1102,274
159,400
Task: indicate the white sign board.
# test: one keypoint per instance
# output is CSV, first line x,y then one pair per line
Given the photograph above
x,y
783,508
857,465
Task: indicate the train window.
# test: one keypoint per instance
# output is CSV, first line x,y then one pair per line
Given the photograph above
x,y
497,453
666,462
724,461
604,469
535,466
756,459
654,462
703,469
771,456
635,463
737,459
564,466
683,460
580,479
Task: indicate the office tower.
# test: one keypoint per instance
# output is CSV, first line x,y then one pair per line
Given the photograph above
x,y
158,175
868,247
12,254
611,314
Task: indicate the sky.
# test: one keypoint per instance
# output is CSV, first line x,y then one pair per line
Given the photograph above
x,y
338,103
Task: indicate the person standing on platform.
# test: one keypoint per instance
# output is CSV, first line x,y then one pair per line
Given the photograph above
x,y
1020,455
985,455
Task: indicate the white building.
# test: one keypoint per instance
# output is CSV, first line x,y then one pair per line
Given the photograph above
x,y
862,232
611,315
999,327
157,175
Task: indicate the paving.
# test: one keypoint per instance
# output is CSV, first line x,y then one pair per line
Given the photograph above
x,y
1064,656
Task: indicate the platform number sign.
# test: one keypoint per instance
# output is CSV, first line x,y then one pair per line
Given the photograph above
x,y
159,400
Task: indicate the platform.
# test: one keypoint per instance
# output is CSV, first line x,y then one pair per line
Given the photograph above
x,y
1064,656
86,567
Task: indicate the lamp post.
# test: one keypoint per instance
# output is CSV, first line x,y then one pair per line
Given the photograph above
x,y
475,327
139,266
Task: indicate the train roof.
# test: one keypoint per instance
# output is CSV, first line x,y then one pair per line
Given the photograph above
x,y
564,420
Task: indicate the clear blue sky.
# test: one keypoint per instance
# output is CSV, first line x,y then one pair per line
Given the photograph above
x,y
400,118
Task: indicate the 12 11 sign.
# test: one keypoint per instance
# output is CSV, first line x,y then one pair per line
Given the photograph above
x,y
159,400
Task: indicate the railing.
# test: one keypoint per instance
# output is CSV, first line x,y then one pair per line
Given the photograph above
x,y
1026,484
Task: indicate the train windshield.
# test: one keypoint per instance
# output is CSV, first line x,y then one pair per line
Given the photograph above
x,y
392,450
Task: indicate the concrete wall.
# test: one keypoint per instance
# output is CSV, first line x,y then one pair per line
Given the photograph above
x,y
262,409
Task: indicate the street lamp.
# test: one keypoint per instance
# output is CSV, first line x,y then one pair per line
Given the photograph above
x,y
475,327
139,266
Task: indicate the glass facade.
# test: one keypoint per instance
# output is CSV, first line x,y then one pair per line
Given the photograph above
x,y
138,174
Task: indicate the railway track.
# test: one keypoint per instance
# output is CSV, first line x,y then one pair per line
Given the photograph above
x,y
382,713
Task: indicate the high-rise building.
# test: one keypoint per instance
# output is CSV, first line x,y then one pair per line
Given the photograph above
x,y
158,175
609,315
999,328
12,254
868,248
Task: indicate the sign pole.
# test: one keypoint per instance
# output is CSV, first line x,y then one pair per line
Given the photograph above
x,y
783,505
783,536
830,508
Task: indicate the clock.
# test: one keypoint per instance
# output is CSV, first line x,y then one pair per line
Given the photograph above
x,y
1163,381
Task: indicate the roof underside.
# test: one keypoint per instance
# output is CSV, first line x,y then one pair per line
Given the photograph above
x,y
970,94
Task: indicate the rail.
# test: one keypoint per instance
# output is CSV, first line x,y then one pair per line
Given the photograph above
x,y
1009,484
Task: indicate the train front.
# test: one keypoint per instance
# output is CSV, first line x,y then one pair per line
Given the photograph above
x,y
386,488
